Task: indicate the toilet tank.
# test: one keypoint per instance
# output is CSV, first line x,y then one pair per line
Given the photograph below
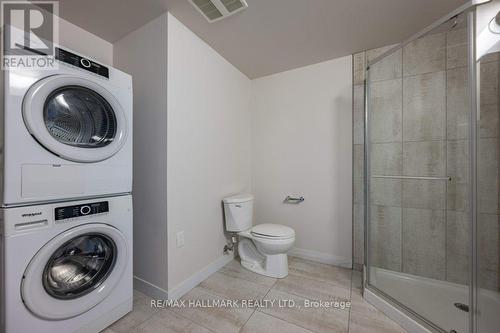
x,y
238,211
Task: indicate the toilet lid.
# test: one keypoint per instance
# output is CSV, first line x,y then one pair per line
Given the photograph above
x,y
272,231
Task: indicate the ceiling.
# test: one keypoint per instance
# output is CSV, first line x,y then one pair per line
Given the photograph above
x,y
271,36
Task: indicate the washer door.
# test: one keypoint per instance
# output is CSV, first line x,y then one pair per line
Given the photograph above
x,y
74,272
75,118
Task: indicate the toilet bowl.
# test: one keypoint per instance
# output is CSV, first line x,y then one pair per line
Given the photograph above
x,y
262,248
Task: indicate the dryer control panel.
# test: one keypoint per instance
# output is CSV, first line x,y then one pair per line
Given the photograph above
x,y
81,62
69,212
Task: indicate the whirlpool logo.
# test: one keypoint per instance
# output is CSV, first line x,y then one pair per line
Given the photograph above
x,y
31,214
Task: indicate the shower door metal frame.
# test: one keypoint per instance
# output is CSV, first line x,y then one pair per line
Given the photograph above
x,y
468,9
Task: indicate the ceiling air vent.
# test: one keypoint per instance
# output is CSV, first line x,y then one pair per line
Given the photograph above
x,y
215,10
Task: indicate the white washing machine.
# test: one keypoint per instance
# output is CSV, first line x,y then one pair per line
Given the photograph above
x,y
66,267
67,133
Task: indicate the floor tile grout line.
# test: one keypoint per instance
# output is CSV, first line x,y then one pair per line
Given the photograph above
x,y
255,309
246,280
320,280
286,321
189,319
304,297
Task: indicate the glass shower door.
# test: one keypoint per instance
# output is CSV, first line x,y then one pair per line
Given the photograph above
x,y
487,247
418,176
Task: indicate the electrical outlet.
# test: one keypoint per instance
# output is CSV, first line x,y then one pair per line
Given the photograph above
x,y
180,239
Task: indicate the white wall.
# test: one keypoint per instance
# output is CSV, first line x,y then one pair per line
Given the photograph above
x,y
194,119
302,121
209,146
84,42
143,54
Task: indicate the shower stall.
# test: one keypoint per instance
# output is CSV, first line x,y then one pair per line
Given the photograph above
x,y
431,175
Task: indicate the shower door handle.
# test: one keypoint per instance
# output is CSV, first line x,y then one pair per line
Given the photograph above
x,y
412,177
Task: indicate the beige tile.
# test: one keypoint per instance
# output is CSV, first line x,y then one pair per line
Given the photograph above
x,y
217,319
489,121
365,316
168,322
457,105
359,190
424,100
389,67
359,67
456,48
425,55
386,192
424,242
359,114
487,175
428,194
228,287
386,158
359,240
457,160
385,237
358,161
235,270
359,323
457,195
457,247
362,307
488,251
490,57
141,312
315,319
263,323
358,174
374,53
357,281
488,92
386,111
318,271
312,289
424,158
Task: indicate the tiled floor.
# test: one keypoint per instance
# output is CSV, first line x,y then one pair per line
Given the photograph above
x,y
307,281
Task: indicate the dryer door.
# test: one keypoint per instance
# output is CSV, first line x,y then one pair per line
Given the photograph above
x,y
75,118
74,272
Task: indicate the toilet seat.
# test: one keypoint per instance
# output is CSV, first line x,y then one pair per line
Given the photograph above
x,y
272,231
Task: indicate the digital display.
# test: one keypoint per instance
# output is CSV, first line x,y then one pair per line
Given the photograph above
x,y
81,62
68,212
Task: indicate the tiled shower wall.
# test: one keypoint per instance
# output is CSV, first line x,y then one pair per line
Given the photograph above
x,y
420,128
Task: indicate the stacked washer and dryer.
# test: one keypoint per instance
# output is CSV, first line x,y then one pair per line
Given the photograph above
x,y
66,214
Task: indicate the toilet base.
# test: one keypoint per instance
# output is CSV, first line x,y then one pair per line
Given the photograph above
x,y
275,266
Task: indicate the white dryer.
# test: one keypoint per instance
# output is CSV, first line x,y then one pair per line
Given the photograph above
x,y
67,132
67,267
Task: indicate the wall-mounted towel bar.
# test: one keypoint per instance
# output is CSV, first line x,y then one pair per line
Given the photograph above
x,y
412,177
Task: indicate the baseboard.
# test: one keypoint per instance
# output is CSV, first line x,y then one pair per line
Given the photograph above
x,y
324,258
185,286
149,289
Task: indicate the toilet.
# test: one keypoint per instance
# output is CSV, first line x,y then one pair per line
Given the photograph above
x,y
262,248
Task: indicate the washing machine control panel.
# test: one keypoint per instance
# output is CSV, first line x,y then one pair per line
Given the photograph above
x,y
81,62
69,212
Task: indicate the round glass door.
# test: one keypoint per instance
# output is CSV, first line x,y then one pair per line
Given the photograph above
x,y
79,266
75,271
75,118
80,117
